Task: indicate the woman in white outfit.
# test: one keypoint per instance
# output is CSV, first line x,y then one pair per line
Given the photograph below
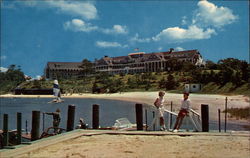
x,y
160,109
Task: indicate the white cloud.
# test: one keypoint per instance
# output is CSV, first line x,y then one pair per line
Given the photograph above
x,y
3,69
79,25
179,49
105,44
86,10
139,40
117,29
211,15
184,20
177,34
207,19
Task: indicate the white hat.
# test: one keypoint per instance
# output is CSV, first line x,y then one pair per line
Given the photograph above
x,y
55,82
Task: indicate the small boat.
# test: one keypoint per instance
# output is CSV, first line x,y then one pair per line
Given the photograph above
x,y
123,124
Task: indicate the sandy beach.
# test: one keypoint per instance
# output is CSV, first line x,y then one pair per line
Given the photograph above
x,y
141,146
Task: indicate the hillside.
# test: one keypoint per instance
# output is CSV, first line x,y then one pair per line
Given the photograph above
x,y
172,82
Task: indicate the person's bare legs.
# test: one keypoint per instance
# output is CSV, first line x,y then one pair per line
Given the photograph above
x,y
161,121
177,122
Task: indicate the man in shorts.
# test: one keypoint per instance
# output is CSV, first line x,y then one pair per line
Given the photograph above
x,y
185,107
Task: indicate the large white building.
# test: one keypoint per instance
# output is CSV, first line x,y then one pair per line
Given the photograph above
x,y
142,62
132,63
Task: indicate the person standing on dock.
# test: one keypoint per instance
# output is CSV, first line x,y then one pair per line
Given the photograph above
x,y
185,108
159,111
56,119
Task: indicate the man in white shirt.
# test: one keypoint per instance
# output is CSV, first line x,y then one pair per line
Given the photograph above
x,y
185,107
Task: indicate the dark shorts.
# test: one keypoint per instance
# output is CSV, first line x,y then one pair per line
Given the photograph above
x,y
182,113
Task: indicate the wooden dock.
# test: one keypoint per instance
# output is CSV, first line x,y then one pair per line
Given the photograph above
x,y
41,143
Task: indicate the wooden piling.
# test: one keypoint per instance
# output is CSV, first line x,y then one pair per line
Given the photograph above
x,y
153,119
5,130
171,109
146,119
205,117
219,120
225,130
35,125
139,116
26,127
95,116
43,120
71,117
19,128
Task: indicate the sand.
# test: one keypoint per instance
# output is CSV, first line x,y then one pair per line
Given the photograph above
x,y
138,146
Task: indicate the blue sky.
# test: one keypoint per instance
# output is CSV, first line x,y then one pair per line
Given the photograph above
x,y
36,32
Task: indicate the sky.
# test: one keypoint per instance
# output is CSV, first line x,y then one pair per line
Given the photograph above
x,y
36,32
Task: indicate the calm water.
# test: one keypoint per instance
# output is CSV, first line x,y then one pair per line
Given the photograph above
x,y
109,111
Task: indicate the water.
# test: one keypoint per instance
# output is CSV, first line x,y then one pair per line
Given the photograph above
x,y
109,111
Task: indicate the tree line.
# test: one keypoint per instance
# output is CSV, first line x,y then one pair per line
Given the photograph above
x,y
11,78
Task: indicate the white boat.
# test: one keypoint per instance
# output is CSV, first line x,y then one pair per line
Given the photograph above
x,y
123,124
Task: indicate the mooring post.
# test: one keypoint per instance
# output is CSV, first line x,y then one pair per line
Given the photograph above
x,y
153,119
146,119
19,128
43,120
205,117
71,117
95,116
26,126
35,125
219,119
5,130
225,115
171,109
139,116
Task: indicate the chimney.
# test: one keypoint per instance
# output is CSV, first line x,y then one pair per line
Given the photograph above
x,y
171,50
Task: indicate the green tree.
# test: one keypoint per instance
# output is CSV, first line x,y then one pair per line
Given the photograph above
x,y
211,65
188,66
132,83
87,67
37,84
170,83
245,70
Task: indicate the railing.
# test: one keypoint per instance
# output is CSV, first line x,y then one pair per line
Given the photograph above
x,y
193,117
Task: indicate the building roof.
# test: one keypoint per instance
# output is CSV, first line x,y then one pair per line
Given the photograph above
x,y
146,57
64,65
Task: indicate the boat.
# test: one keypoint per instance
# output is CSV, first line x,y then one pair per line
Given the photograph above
x,y
125,125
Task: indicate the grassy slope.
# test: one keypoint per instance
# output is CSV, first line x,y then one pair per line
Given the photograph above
x,y
81,86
